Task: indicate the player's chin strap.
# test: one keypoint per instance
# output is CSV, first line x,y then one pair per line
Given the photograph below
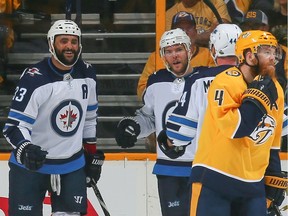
x,y
55,183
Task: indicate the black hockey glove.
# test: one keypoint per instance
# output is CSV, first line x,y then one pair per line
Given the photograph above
x,y
171,152
275,186
262,92
93,166
127,132
31,156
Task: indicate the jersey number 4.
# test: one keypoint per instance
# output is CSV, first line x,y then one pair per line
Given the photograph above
x,y
219,94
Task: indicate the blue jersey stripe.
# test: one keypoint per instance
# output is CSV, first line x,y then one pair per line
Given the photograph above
x,y
183,121
21,117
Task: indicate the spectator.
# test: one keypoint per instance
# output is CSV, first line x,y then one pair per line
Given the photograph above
x,y
237,9
264,5
163,90
258,20
7,7
204,17
51,123
255,20
201,55
278,21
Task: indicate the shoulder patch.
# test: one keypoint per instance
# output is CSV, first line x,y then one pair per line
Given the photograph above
x,y
33,71
233,73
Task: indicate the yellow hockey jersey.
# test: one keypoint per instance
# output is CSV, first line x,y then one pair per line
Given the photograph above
x,y
221,159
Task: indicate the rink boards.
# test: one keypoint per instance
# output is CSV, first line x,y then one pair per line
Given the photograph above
x,y
127,185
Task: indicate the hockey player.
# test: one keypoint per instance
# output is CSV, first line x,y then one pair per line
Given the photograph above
x,y
200,55
53,115
240,137
184,124
163,90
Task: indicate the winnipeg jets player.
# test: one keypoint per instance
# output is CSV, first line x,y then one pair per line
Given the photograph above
x,y
53,115
163,90
184,124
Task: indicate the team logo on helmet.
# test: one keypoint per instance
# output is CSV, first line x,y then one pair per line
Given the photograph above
x,y
246,34
264,130
66,117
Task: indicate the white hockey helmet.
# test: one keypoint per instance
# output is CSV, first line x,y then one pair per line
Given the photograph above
x,y
63,27
173,37
223,40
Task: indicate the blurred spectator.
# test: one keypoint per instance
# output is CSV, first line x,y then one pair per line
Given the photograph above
x,y
7,7
205,18
278,21
201,55
264,5
237,9
255,20
258,20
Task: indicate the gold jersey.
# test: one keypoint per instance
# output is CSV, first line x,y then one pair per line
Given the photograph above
x,y
219,152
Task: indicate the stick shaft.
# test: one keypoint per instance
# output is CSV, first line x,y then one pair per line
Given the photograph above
x,y
100,198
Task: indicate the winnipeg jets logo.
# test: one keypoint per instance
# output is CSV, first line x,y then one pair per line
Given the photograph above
x,y
66,117
264,130
33,71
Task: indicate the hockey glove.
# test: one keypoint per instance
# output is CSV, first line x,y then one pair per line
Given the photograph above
x,y
31,156
127,132
93,166
171,152
275,186
262,93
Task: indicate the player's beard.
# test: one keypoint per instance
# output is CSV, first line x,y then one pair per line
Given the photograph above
x,y
179,70
61,56
267,68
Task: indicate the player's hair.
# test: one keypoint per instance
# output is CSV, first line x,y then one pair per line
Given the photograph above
x,y
223,40
63,27
252,40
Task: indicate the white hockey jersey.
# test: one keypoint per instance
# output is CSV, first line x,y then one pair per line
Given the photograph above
x,y
185,122
162,92
55,110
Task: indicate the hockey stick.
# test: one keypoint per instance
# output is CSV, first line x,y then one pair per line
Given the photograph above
x,y
214,10
275,210
68,9
99,197
78,18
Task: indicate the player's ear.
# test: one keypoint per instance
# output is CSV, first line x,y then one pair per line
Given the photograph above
x,y
250,58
